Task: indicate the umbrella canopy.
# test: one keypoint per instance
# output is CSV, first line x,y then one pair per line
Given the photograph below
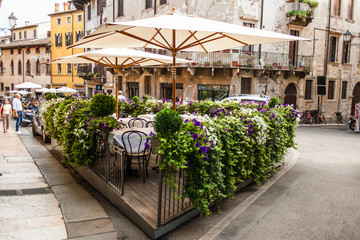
x,y
118,58
12,91
178,32
22,92
28,85
65,90
46,90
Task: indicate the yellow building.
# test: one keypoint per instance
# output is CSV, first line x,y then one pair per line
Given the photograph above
x,y
67,27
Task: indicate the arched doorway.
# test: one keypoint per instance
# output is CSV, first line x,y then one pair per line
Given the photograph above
x,y
290,95
356,97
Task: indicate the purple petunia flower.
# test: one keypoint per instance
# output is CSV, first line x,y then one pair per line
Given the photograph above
x,y
197,144
186,120
204,149
195,136
226,129
188,132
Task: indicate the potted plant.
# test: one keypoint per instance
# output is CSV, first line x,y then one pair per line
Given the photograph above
x,y
235,63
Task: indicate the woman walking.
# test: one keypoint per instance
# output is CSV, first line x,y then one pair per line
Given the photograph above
x,y
6,113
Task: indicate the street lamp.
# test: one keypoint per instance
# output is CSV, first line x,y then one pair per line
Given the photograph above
x,y
347,37
12,20
12,23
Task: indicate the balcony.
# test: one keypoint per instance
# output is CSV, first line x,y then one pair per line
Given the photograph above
x,y
87,72
248,60
301,13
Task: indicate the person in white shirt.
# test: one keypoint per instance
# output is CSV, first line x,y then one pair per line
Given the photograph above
x,y
17,108
6,113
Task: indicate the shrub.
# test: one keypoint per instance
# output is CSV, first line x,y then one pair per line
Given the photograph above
x,y
168,122
274,101
102,105
49,96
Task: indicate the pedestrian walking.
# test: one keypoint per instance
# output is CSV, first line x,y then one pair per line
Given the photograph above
x,y
17,108
6,112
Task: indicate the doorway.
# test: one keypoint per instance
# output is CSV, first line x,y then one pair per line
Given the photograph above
x,y
293,49
290,95
133,89
356,98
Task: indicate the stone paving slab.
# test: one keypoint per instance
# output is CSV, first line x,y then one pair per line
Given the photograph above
x,y
39,152
77,204
91,227
44,233
20,224
27,206
104,236
9,168
24,185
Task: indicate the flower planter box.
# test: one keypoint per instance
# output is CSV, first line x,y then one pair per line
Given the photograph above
x,y
234,63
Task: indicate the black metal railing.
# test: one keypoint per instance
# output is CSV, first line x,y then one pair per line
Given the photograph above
x,y
170,202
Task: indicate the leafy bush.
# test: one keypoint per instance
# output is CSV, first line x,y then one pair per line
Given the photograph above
x,y
168,122
49,96
274,101
102,105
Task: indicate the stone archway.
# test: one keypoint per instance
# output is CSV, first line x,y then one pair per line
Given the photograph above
x,y
290,95
356,97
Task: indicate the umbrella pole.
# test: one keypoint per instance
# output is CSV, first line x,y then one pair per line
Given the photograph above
x,y
174,81
116,94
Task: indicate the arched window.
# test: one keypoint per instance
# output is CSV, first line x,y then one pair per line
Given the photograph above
x,y
1,67
28,67
38,67
19,67
12,67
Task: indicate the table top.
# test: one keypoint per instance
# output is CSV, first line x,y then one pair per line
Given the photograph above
x,y
134,138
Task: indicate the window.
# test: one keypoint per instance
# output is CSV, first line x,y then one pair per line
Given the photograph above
x,y
58,38
120,8
78,35
11,51
48,68
68,39
48,33
308,89
333,48
337,7
14,36
163,2
68,20
331,90
293,49
350,9
12,67
2,87
25,34
120,83
59,68
58,21
68,69
19,50
38,67
89,12
346,52
20,36
79,18
148,4
19,67
250,48
37,50
245,85
28,68
344,90
100,5
35,33
1,67
12,86
147,85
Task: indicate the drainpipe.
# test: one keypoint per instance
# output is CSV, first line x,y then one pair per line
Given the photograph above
x,y
261,23
113,10
23,58
154,8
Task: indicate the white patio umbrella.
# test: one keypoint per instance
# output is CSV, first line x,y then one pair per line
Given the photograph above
x,y
46,90
12,91
22,92
65,90
118,58
178,32
28,85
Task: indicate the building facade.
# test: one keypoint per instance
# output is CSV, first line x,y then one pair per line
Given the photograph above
x,y
21,57
288,70
67,27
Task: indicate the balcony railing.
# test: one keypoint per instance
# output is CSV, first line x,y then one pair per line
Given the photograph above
x,y
246,59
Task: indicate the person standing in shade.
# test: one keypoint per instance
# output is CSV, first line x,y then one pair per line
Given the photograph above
x,y
6,112
17,108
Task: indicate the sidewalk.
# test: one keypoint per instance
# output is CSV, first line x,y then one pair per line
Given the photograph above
x,y
39,198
